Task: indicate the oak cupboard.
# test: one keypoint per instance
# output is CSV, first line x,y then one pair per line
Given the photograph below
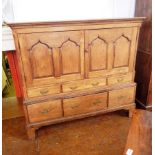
x,y
76,69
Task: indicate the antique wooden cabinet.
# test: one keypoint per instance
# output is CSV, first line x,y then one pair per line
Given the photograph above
x,y
71,70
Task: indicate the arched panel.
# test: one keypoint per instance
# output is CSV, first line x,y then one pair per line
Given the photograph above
x,y
41,60
98,54
70,57
121,51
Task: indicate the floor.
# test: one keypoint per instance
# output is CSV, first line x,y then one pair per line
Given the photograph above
x,y
12,108
100,135
9,90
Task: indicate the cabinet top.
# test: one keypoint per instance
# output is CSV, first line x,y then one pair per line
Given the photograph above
x,y
77,22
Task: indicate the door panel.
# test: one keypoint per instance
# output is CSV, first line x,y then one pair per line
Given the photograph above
x,y
109,51
40,58
121,52
52,57
70,57
98,54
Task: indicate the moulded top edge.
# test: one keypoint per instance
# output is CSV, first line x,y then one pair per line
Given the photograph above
x,y
76,22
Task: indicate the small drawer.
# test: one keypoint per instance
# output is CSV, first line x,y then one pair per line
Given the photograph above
x,y
44,111
120,79
42,91
85,104
83,84
121,96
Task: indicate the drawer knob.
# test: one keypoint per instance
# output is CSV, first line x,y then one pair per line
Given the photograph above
x,y
74,87
43,92
97,102
95,84
119,79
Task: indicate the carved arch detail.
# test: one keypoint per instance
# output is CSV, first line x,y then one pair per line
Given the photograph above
x,y
39,42
41,60
98,49
70,57
122,47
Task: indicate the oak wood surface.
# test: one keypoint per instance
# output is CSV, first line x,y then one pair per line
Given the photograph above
x,y
140,133
121,96
43,91
45,110
76,68
99,89
83,84
84,104
144,55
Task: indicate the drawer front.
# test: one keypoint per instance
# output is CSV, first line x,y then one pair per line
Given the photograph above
x,y
120,79
121,96
83,84
42,91
84,104
44,111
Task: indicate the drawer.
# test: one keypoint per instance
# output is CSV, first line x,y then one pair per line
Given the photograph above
x,y
42,91
44,111
85,104
83,84
120,79
121,96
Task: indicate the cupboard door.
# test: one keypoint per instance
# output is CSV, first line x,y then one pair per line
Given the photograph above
x,y
110,51
52,57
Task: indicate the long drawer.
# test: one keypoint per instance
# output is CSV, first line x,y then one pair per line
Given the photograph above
x,y
121,97
83,84
85,104
43,91
45,111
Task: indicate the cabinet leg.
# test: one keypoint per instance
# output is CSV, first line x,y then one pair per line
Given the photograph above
x,y
131,112
31,133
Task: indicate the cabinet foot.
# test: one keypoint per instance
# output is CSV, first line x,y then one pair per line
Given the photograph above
x,y
131,112
31,133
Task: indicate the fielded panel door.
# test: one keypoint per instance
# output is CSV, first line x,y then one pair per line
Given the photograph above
x,y
52,57
109,51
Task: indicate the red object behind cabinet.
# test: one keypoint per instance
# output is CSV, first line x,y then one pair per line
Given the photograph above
x,y
12,59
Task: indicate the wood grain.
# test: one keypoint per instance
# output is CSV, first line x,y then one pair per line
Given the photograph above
x,y
44,111
121,96
140,133
76,69
83,84
85,104
144,55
